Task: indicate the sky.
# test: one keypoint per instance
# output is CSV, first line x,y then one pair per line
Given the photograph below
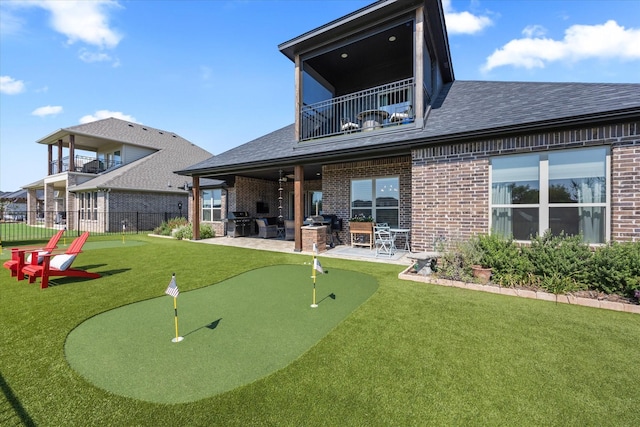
x,y
210,70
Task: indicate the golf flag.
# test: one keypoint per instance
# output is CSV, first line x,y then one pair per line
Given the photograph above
x,y
172,289
315,248
317,266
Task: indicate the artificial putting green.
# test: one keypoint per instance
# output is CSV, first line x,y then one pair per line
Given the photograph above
x,y
235,332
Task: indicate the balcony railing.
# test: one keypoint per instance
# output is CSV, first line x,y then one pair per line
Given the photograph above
x,y
370,109
84,164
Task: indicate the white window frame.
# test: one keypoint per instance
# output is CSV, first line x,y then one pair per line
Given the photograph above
x,y
543,204
374,208
212,209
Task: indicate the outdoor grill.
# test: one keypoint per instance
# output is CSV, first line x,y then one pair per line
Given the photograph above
x,y
333,223
239,224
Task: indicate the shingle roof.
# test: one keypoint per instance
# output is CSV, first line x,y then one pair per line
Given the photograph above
x,y
463,109
151,173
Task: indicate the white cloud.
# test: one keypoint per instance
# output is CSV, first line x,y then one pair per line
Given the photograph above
x,y
534,31
11,86
87,56
463,22
605,41
85,21
105,114
49,110
81,21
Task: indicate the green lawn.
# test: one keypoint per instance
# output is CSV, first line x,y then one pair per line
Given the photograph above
x,y
412,354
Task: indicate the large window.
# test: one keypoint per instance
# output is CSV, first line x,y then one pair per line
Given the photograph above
x,y
211,204
564,191
378,198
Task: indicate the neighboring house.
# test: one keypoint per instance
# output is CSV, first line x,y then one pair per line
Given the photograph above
x,y
13,204
101,173
382,128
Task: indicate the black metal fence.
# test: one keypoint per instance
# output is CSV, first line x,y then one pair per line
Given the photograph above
x,y
23,226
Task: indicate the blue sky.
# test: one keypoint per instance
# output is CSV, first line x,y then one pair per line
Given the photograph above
x,y
211,71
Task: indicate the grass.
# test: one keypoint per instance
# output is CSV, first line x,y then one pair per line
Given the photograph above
x,y
412,354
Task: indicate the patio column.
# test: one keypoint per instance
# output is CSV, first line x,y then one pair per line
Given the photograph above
x,y
32,205
196,208
72,147
59,156
298,202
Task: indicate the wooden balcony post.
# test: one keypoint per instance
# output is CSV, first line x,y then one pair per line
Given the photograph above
x,y
59,156
50,159
72,148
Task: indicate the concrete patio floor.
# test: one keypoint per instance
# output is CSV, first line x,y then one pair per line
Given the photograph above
x,y
339,251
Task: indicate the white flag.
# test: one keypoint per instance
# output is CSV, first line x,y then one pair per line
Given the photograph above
x,y
172,289
315,248
317,266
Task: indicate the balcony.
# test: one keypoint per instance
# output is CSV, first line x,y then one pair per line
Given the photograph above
x,y
387,106
84,164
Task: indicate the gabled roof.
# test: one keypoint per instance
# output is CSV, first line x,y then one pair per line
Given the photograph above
x,y
153,172
464,110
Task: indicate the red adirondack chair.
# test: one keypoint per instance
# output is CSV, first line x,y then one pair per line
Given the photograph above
x,y
17,261
59,265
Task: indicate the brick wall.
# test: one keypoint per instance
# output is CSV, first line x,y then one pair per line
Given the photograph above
x,y
625,191
336,187
451,182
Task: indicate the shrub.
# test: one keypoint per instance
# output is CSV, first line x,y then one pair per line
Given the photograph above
x,y
186,232
562,255
616,268
505,259
167,227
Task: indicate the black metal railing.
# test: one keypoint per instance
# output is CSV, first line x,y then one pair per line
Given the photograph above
x,y
84,164
22,227
379,107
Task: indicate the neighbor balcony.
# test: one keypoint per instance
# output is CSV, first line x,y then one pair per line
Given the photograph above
x,y
83,164
381,107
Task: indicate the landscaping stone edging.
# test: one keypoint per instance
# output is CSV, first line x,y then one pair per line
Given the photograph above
x,y
523,293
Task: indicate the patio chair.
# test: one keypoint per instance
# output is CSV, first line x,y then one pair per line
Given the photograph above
x,y
59,265
347,126
405,116
383,240
265,230
289,229
17,261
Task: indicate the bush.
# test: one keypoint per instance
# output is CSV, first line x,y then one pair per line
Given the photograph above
x,y
167,227
186,232
564,256
616,269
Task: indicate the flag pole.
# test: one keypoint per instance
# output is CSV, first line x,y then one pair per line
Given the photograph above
x,y
313,275
172,290
178,338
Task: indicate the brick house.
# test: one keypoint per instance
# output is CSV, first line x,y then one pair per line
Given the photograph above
x,y
103,169
382,128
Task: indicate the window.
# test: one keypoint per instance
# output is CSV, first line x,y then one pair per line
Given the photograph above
x,y
211,204
386,194
563,191
89,205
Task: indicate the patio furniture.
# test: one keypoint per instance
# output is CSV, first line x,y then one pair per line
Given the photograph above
x,y
59,265
289,229
17,261
372,119
401,233
402,116
265,230
347,126
383,241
